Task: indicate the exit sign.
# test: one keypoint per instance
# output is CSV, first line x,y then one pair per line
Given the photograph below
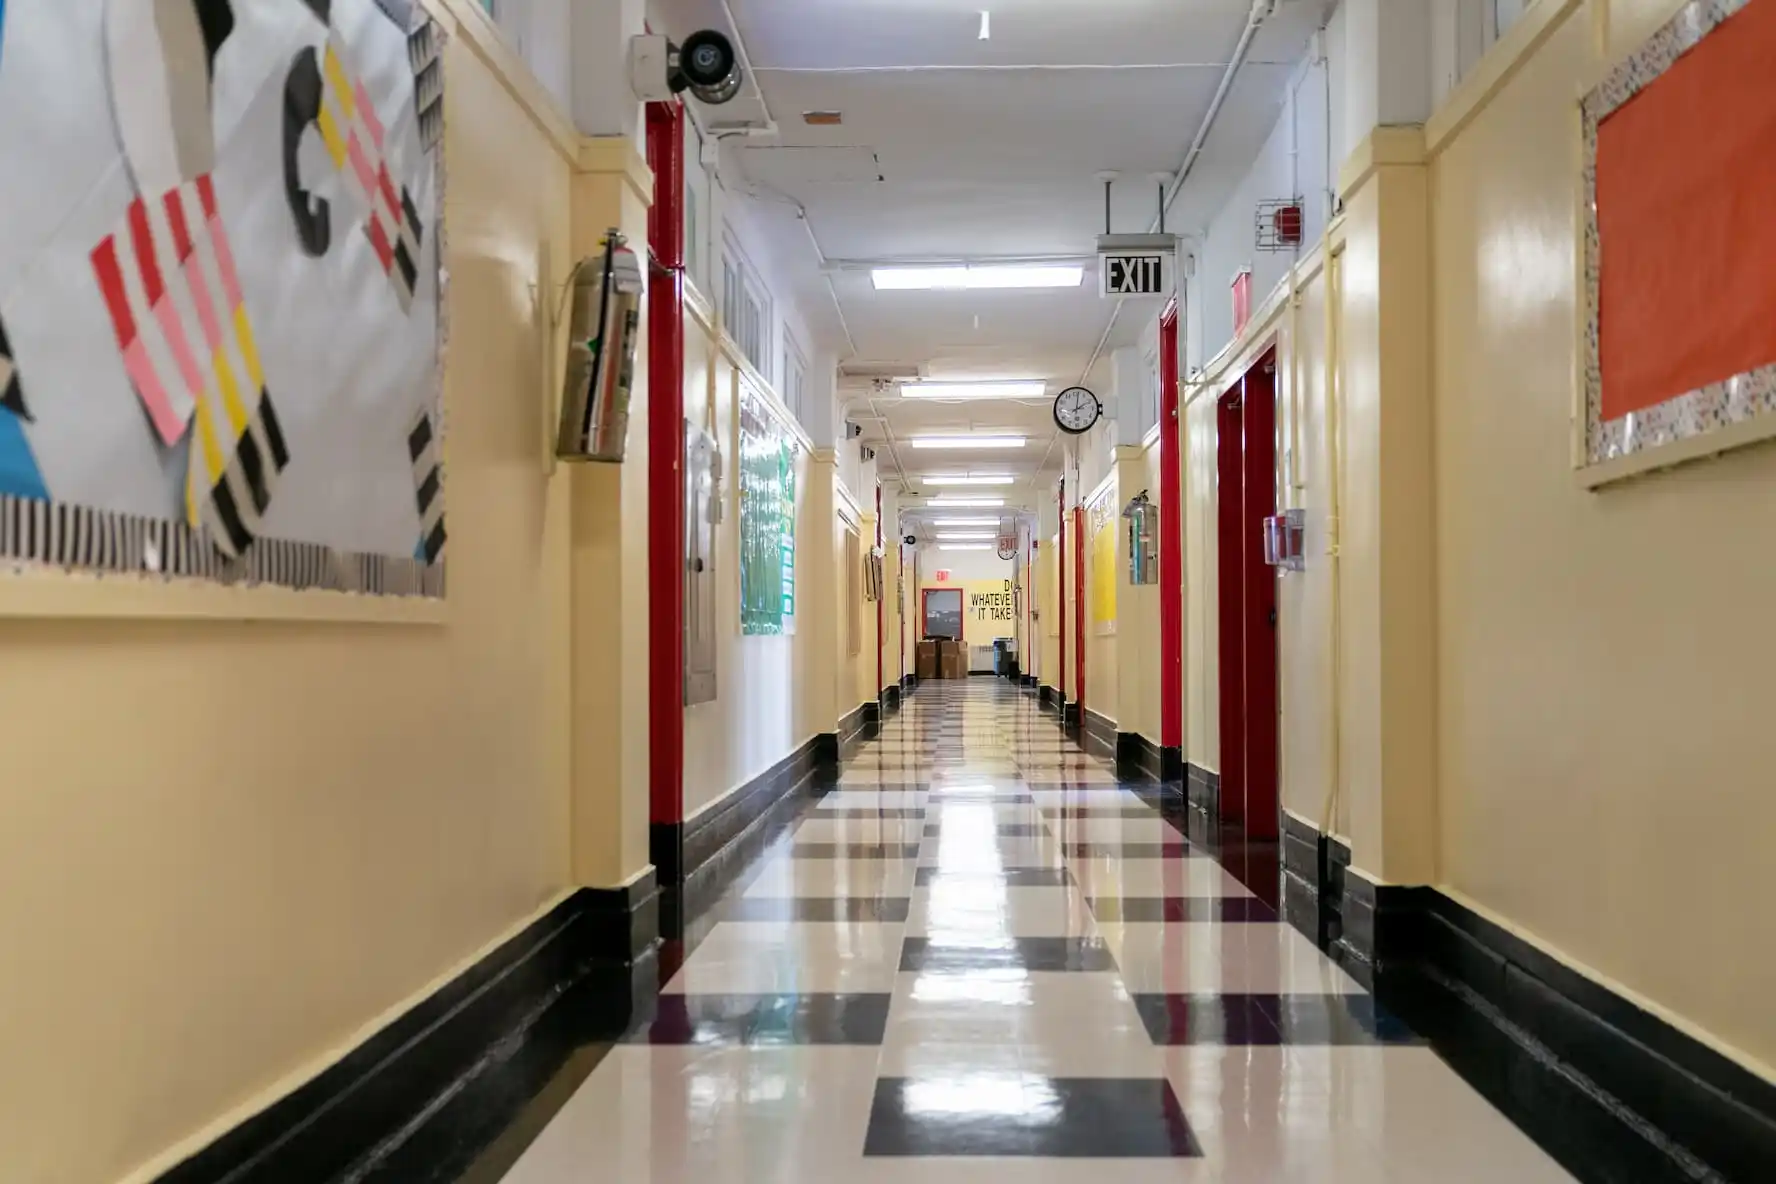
x,y
941,575
1132,275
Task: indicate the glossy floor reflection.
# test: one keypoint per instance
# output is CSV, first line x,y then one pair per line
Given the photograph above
x,y
977,952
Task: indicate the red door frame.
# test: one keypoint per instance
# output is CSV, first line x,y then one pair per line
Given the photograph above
x,y
1079,609
1061,592
1246,464
881,595
1171,545
924,596
666,490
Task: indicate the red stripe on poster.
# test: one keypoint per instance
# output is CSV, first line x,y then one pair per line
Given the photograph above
x,y
153,287
104,261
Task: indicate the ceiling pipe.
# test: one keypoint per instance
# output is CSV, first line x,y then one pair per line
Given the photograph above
x,y
1261,11
761,192
758,90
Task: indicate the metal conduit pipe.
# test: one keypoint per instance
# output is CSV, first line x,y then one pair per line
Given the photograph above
x,y
1261,12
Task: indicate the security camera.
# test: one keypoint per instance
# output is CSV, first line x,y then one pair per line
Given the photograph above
x,y
705,65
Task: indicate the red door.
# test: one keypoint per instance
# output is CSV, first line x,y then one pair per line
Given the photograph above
x,y
1246,468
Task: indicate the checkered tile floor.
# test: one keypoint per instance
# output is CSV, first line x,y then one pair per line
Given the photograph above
x,y
977,953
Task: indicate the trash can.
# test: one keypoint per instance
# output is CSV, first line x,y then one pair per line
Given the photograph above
x,y
1002,657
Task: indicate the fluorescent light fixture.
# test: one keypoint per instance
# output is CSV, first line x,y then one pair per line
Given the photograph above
x,y
965,278
968,441
986,29
976,521
965,547
1028,389
999,479
966,536
965,503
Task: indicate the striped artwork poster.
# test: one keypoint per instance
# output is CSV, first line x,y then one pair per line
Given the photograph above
x,y
221,328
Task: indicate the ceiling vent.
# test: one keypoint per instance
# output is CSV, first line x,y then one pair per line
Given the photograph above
x,y
865,373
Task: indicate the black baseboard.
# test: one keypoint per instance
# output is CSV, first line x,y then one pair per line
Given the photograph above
x,y
1615,1094
1314,867
1137,758
1047,695
1029,680
1202,789
1070,714
1097,734
872,712
909,681
439,1084
1171,763
851,726
891,699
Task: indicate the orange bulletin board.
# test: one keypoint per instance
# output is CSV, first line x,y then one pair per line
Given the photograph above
x,y
1680,152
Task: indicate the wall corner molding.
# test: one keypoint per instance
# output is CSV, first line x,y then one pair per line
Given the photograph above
x,y
619,155
1389,146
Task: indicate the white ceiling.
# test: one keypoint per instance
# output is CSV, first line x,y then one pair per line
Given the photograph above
x,y
953,148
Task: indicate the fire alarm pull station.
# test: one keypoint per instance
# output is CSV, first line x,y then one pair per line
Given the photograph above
x,y
1284,540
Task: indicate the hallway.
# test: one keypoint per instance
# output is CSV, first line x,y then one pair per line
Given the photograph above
x,y
977,943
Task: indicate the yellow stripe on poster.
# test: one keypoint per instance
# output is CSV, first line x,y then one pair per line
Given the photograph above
x,y
341,85
330,136
231,397
243,334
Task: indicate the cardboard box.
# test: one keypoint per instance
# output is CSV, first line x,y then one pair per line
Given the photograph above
x,y
952,660
925,663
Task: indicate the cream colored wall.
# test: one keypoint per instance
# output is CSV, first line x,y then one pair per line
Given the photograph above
x,y
1137,608
199,917
765,686
1604,745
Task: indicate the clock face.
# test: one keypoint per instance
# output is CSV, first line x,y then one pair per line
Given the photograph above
x,y
1077,409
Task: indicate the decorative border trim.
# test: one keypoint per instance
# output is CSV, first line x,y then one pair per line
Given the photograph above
x,y
1202,789
1609,1090
1137,758
1697,423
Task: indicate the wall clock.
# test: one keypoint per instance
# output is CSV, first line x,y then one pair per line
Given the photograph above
x,y
1076,410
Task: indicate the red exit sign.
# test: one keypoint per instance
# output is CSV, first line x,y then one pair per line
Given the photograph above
x,y
941,575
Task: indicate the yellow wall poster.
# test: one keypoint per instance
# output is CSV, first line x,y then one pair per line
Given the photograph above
x,y
1101,520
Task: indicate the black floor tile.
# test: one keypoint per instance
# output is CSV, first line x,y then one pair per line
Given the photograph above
x,y
1059,1118
767,1020
1181,908
1270,1019
920,954
1011,877
1174,849
819,850
817,908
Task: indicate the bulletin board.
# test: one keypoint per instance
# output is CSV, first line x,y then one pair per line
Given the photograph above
x,y
220,291
1679,325
767,494
1102,520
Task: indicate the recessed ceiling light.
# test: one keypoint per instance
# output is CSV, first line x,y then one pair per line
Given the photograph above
x,y
968,441
965,503
1029,389
965,547
975,521
823,118
912,279
966,536
986,29
963,479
